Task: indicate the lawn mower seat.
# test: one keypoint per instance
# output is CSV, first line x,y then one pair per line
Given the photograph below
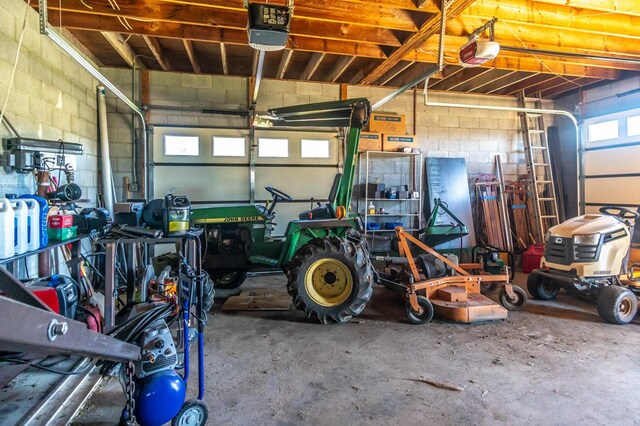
x,y
327,211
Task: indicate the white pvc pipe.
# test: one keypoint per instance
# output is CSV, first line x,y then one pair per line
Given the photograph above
x,y
107,175
579,168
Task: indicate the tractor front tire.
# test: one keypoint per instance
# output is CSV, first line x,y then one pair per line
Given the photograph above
x,y
229,280
330,279
617,305
542,288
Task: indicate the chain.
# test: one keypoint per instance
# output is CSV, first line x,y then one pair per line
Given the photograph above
x,y
130,388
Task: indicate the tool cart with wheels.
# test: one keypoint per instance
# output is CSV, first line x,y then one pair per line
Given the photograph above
x,y
594,256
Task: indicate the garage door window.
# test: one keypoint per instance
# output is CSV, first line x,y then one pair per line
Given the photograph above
x,y
314,148
273,148
633,126
188,146
228,147
603,131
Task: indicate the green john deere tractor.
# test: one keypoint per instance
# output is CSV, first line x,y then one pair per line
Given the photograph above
x,y
323,253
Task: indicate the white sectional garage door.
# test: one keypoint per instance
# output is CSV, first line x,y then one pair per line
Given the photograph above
x,y
217,172
612,160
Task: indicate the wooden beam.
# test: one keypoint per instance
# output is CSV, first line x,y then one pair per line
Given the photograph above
x,y
284,63
156,49
458,78
504,81
624,7
429,28
223,56
548,84
339,67
188,45
565,87
452,44
312,66
479,81
394,72
554,17
528,63
415,71
515,87
557,92
210,17
121,47
89,22
569,41
343,91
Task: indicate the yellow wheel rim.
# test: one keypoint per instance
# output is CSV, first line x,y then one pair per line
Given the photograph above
x,y
328,282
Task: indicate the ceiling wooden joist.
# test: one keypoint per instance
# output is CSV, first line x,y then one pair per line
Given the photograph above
x,y
373,42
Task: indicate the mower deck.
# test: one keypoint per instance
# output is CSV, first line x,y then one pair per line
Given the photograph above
x,y
454,297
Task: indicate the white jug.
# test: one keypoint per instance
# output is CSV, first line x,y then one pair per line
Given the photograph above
x,y
20,231
7,219
33,224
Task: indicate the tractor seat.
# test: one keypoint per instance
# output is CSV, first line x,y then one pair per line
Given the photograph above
x,y
265,211
327,211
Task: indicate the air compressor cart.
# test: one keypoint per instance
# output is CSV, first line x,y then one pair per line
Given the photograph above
x,y
451,291
194,412
164,325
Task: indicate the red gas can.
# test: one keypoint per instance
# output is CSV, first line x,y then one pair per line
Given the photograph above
x,y
531,257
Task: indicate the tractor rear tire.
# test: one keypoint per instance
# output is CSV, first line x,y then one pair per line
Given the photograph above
x,y
542,288
617,305
330,279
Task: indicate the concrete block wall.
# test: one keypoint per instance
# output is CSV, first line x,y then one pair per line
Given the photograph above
x,y
52,97
475,135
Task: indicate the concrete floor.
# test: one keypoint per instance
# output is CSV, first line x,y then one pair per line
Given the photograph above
x,y
554,363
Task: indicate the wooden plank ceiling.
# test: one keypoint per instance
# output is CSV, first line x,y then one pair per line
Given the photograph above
x,y
375,42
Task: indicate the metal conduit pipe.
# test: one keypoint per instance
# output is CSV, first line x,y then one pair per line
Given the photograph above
x,y
107,175
574,120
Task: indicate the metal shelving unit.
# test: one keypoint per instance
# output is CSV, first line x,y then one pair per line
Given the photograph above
x,y
405,210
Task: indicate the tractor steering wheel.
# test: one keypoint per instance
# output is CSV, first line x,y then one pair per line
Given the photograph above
x,y
619,212
277,194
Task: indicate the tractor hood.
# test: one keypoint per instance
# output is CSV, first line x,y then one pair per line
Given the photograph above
x,y
586,225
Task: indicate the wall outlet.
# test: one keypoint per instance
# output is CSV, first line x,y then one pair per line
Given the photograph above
x,y
134,187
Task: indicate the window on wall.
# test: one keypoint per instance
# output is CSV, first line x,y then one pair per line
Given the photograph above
x,y
228,147
603,131
278,148
314,148
633,125
175,145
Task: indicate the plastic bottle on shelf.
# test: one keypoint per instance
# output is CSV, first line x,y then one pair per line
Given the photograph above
x,y
371,208
33,224
21,220
43,209
6,229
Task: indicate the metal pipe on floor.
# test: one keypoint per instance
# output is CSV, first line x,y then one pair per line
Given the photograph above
x,y
574,120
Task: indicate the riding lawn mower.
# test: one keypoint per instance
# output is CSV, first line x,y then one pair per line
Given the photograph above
x,y
594,256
